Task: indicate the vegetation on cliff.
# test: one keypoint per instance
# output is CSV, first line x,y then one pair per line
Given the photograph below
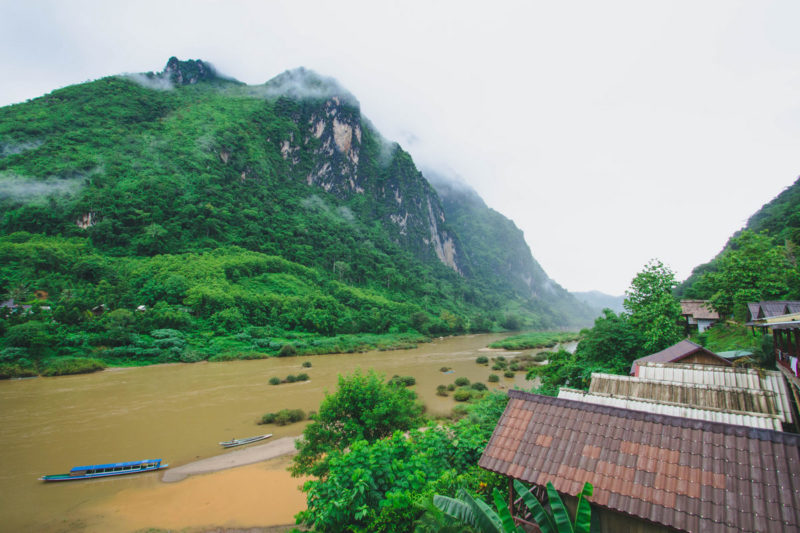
x,y
237,218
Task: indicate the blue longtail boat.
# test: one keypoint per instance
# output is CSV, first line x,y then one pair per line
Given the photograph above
x,y
110,469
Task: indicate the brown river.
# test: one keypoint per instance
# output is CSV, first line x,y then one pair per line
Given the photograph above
x,y
179,413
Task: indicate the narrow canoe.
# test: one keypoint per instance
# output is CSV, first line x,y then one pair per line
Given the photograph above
x,y
106,470
240,442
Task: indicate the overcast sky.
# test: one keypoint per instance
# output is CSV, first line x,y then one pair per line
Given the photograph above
x,y
610,132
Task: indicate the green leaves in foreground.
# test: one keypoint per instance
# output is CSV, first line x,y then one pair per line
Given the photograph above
x,y
477,514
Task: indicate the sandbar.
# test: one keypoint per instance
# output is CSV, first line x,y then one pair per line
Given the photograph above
x,y
245,456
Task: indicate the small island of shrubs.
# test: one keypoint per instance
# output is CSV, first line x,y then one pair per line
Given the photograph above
x,y
283,417
291,378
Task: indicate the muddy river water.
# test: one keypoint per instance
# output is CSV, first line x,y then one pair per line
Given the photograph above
x,y
179,413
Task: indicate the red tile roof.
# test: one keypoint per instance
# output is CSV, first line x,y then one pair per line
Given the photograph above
x,y
675,353
687,474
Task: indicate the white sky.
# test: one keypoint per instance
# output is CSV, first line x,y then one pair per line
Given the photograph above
x,y
611,132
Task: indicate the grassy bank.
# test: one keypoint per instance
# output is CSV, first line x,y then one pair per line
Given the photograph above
x,y
536,339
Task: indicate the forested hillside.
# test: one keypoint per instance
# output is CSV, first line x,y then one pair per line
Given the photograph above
x,y
499,254
183,215
759,262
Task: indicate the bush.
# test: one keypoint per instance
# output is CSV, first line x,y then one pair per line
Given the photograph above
x,y
306,364
441,390
274,381
283,417
302,377
509,374
462,382
287,350
482,360
192,356
451,387
444,369
494,378
72,365
500,358
404,381
478,386
462,395
291,378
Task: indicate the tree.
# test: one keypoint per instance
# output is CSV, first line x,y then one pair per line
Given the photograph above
x,y
751,270
652,308
364,407
613,342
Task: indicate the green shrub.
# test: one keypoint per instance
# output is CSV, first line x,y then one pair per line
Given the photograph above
x,y
289,416
451,387
274,381
444,369
478,386
192,356
72,365
291,378
306,364
482,360
302,377
283,417
441,390
287,350
462,395
462,382
500,358
494,378
403,381
509,374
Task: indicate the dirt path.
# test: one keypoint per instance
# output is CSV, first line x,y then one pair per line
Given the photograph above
x,y
246,456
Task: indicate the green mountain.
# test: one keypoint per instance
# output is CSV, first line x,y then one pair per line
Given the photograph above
x,y
498,253
182,214
759,262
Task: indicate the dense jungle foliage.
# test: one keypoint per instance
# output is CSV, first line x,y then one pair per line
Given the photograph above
x,y
150,218
758,263
375,470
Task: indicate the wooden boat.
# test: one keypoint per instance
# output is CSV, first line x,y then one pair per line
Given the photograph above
x,y
110,469
239,442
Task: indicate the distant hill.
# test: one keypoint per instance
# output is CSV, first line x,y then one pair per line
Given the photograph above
x,y
599,301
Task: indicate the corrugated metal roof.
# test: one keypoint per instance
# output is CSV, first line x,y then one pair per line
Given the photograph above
x,y
675,353
689,394
744,378
698,309
688,474
774,308
753,420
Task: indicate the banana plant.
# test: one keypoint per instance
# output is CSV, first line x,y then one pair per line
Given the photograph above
x,y
480,516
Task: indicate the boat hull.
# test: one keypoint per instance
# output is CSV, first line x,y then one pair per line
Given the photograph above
x,y
241,442
108,470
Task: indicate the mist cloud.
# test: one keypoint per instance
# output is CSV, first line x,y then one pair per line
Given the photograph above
x,y
150,81
16,188
11,148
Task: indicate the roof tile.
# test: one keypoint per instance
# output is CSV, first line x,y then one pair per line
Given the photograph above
x,y
690,475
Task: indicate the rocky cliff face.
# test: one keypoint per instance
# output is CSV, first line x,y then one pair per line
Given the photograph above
x,y
499,256
338,151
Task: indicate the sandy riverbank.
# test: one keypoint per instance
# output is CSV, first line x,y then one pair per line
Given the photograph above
x,y
245,456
